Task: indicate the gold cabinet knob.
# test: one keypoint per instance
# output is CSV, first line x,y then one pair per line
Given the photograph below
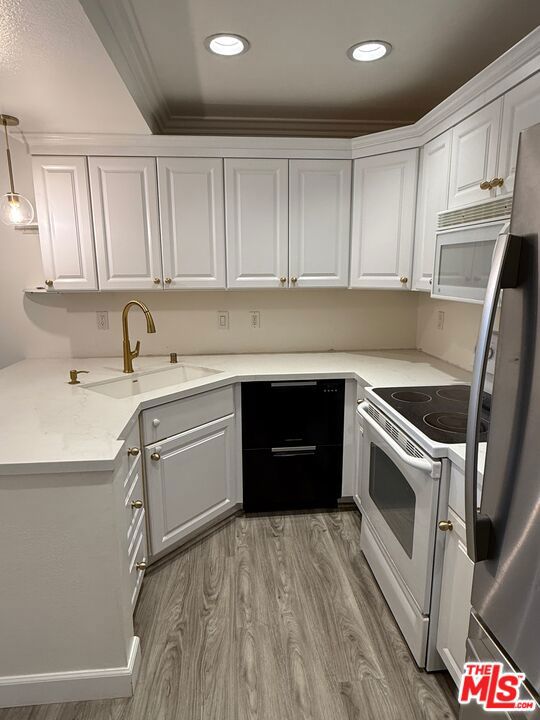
x,y
168,281
136,504
157,281
294,280
141,566
283,280
496,182
133,451
155,456
446,526
485,185
49,283
403,279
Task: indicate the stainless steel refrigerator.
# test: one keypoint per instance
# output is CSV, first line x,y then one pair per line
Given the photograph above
x,y
503,535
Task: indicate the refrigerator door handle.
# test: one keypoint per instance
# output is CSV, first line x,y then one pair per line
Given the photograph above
x,y
504,274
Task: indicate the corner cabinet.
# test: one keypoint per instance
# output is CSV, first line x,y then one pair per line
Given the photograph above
x,y
126,222
192,216
384,199
256,206
319,222
65,227
433,186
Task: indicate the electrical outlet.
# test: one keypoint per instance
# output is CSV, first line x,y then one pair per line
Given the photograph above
x,y
440,320
255,319
223,319
102,319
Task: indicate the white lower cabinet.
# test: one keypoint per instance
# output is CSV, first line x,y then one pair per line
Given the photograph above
x,y
455,605
384,199
359,437
189,480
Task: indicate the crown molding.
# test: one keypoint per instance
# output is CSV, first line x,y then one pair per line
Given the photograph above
x,y
276,126
118,29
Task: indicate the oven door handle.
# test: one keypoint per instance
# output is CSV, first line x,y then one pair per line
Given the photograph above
x,y
423,464
504,274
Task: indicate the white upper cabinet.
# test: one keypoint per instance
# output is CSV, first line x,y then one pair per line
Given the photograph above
x,y
126,222
475,144
432,199
384,196
319,222
65,227
521,110
192,222
256,208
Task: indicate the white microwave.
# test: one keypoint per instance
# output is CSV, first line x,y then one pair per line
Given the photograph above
x,y
463,261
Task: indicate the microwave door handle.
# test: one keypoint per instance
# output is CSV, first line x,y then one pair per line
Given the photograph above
x,y
503,274
433,469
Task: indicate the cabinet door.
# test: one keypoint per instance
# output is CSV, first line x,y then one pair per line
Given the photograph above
x,y
384,196
192,222
474,155
319,222
65,224
455,604
256,208
432,199
192,481
521,110
126,223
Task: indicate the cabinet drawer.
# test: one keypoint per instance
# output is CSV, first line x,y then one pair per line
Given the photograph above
x,y
130,455
177,417
456,494
137,554
134,496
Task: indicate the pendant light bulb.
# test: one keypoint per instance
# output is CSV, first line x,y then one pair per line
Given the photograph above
x,y
15,209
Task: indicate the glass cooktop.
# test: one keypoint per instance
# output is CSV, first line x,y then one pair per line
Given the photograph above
x,y
439,411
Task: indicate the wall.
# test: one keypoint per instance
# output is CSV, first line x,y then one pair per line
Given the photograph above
x,y
186,322
456,341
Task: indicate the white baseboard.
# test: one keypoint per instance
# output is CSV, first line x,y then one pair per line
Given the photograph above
x,y
73,685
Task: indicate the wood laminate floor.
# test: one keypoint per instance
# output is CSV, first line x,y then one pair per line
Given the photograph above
x,y
269,618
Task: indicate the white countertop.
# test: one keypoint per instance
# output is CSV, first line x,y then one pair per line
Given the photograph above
x,y
456,454
50,426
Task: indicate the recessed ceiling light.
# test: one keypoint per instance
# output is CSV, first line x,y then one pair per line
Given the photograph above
x,y
227,44
369,50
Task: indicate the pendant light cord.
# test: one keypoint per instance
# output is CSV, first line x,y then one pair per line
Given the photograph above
x,y
8,156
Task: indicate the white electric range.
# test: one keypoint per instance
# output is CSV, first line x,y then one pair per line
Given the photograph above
x,y
404,494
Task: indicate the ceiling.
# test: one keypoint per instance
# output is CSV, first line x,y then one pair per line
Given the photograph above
x,y
296,79
55,74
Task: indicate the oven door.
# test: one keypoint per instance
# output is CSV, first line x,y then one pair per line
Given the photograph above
x,y
400,494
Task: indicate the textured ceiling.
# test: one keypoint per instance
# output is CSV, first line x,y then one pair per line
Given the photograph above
x,y
55,74
296,72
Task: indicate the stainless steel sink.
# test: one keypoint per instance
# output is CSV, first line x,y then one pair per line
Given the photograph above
x,y
143,382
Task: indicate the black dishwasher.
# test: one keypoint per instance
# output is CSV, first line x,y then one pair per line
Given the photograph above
x,y
292,440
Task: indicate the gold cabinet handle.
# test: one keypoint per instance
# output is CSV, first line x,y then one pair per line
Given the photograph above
x,y
73,376
485,185
283,280
49,283
141,566
133,451
446,526
168,281
294,280
155,456
403,279
157,281
496,182
136,504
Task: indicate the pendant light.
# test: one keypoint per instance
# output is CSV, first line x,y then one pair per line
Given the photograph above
x,y
15,209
